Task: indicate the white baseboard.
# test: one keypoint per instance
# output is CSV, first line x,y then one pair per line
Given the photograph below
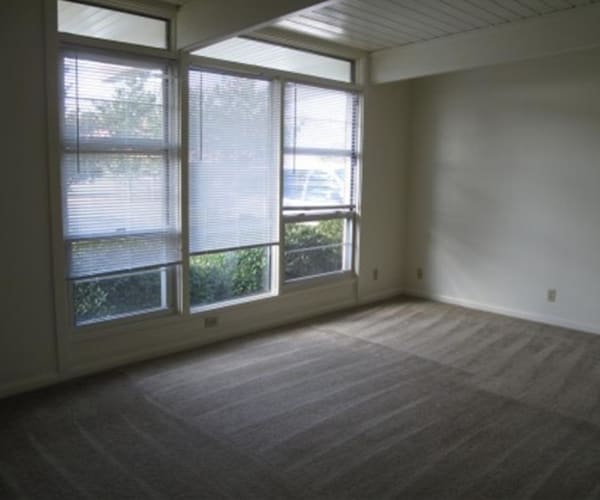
x,y
504,311
379,295
29,384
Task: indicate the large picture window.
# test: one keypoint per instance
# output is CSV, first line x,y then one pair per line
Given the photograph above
x,y
120,187
263,196
319,174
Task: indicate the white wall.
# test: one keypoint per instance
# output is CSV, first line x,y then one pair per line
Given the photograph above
x,y
504,188
383,216
27,333
27,349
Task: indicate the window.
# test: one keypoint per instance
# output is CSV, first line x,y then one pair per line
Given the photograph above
x,y
234,185
108,24
120,186
268,55
269,176
319,172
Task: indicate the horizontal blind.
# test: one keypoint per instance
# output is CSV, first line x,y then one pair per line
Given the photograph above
x,y
120,186
234,173
320,145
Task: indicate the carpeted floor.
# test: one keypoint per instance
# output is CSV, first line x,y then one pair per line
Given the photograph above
x,y
405,399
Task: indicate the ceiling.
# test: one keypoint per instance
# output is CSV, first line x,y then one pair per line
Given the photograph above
x,y
378,24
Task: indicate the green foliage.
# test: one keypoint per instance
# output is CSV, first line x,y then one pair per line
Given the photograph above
x,y
228,275
313,248
109,297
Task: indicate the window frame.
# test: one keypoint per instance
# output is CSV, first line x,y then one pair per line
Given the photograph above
x,y
57,44
283,77
274,246
348,212
172,136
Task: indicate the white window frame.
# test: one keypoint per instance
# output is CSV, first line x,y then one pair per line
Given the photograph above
x,y
57,44
167,272
275,246
316,213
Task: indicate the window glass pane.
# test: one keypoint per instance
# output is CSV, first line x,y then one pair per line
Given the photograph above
x,y
115,193
234,173
319,120
268,55
316,180
105,298
113,105
219,277
108,24
315,247
320,146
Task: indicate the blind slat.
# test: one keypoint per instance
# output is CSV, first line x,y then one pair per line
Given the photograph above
x,y
320,138
233,162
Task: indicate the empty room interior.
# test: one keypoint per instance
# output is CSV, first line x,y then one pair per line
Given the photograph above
x,y
300,249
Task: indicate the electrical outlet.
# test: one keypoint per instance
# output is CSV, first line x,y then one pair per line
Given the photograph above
x,y
419,273
551,295
211,321
375,274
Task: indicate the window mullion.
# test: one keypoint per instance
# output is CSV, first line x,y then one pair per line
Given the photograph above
x,y
184,107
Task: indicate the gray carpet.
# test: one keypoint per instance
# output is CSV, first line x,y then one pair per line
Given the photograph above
x,y
405,399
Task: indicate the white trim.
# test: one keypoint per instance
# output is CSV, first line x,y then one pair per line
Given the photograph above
x,y
224,305
183,282
148,8
29,384
100,45
504,311
380,295
53,100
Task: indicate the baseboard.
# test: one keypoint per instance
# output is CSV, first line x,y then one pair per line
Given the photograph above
x,y
504,311
379,296
29,384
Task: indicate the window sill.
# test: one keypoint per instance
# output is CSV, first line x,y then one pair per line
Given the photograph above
x,y
318,280
219,306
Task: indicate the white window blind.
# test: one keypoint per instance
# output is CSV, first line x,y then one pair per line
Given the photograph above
x,y
234,175
119,174
320,146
